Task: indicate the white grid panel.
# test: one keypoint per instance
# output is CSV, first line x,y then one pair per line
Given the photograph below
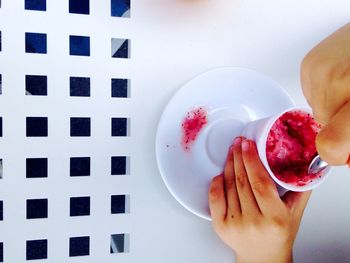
x,y
58,147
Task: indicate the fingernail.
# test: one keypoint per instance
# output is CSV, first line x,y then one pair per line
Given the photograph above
x,y
237,141
245,145
230,150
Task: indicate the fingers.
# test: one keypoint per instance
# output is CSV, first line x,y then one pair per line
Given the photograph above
x,y
233,205
333,141
296,201
262,185
325,75
217,200
248,203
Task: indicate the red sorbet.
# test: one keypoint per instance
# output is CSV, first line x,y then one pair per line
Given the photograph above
x,y
290,147
191,126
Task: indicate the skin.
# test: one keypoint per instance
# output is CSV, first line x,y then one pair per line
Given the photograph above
x,y
247,212
325,78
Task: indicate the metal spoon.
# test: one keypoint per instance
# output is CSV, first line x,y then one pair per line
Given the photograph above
x,y
317,165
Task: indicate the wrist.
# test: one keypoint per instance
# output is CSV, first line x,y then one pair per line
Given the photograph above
x,y
287,258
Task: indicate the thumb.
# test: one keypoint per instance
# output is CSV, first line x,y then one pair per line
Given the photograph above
x,y
296,201
333,141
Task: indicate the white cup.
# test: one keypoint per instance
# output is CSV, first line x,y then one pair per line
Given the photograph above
x,y
258,131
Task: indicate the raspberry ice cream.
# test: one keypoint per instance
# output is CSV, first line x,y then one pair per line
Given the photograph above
x,y
290,147
191,126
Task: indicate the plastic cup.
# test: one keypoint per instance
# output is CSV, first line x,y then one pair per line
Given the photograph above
x,y
258,131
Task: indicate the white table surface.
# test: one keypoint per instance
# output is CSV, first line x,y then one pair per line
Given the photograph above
x,y
171,42
174,40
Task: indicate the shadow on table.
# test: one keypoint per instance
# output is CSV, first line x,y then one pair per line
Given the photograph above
x,y
327,251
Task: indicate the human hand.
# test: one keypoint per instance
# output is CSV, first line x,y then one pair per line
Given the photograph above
x,y
247,212
325,78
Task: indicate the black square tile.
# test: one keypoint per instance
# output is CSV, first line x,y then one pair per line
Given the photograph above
x,y
120,88
38,5
37,208
36,43
80,166
79,46
119,165
1,252
120,127
120,243
36,249
1,210
80,127
120,48
79,246
118,204
37,127
79,7
79,86
120,8
36,167
80,206
36,85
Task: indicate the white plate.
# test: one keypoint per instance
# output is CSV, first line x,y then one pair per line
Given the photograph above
x,y
232,97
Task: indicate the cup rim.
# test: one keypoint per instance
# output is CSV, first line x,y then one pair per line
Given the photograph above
x,y
262,146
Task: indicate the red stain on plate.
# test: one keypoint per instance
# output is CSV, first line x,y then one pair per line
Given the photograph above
x,y
192,125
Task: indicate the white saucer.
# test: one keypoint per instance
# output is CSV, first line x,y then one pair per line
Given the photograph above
x,y
232,97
